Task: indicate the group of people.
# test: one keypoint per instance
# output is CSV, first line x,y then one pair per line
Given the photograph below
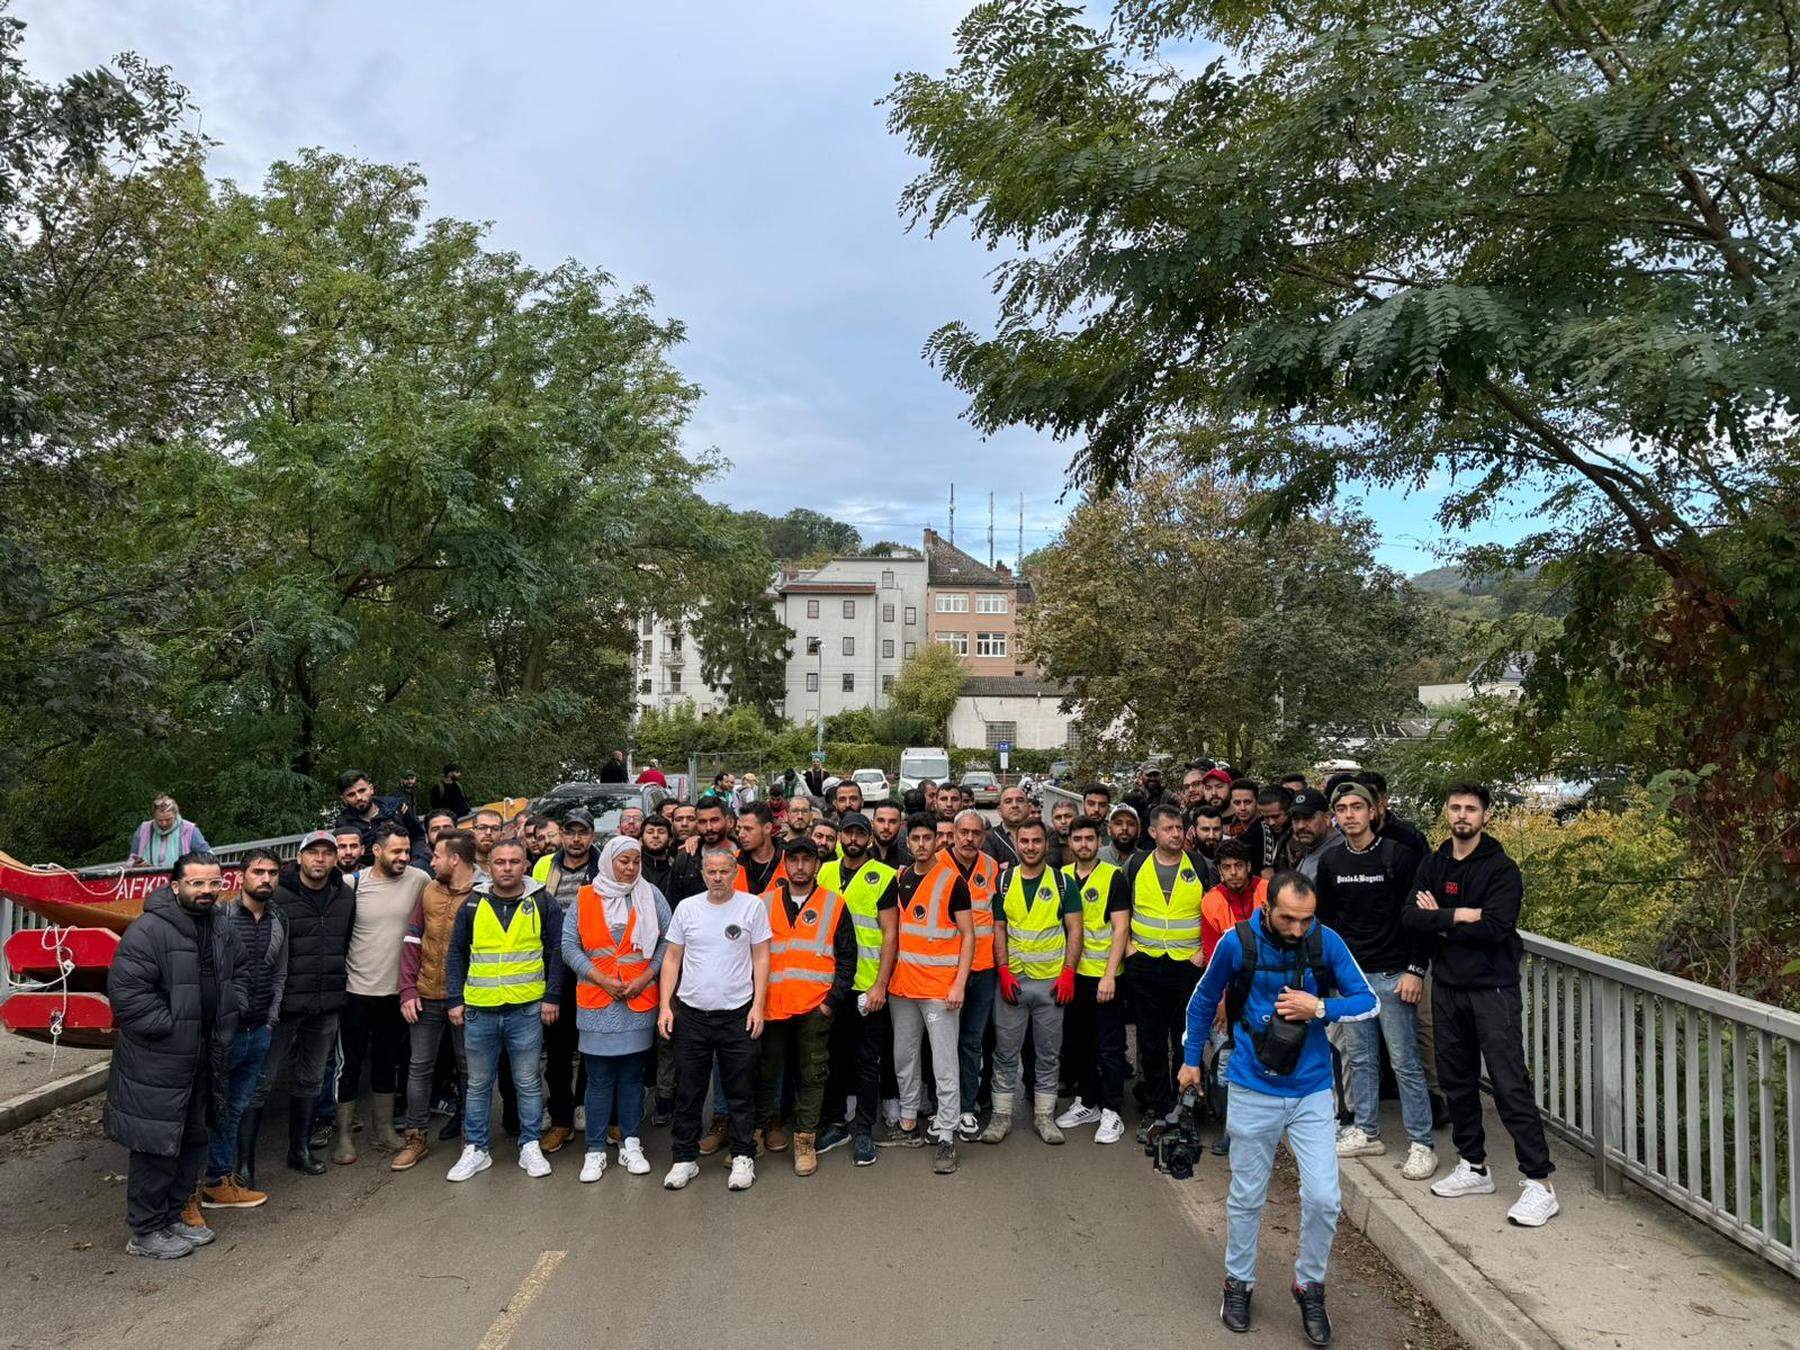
x,y
838,977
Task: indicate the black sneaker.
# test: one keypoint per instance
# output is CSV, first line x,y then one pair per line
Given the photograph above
x,y
1313,1321
1234,1307
901,1137
863,1152
832,1136
452,1129
944,1163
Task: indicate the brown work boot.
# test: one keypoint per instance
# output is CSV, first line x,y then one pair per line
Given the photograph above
x,y
714,1139
190,1212
777,1138
412,1151
760,1141
230,1193
555,1137
613,1136
806,1158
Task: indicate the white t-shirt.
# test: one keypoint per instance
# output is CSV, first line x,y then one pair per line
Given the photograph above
x,y
383,906
715,943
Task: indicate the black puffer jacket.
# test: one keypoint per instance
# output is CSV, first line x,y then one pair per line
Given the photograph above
x,y
154,987
318,927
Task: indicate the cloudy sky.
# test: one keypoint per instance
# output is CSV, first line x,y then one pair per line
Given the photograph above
x,y
731,156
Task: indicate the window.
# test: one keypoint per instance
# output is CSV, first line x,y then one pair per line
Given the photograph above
x,y
674,681
990,604
957,642
645,687
887,613
887,579
812,681
812,609
649,652
849,646
849,683
849,609
813,646
910,650
1002,731
990,644
887,649
887,684
912,614
649,626
674,641
953,604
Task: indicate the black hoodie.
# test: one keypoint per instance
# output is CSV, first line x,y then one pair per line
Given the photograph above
x,y
1480,955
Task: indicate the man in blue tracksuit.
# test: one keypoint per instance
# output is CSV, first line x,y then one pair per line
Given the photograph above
x,y
1300,978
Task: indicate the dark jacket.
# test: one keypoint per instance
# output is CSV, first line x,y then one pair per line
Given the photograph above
x,y
1363,898
274,965
318,938
388,810
451,797
154,988
1395,827
1481,955
658,870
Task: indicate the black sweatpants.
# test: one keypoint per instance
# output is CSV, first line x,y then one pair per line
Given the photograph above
x,y
1093,1046
701,1035
373,1032
859,1046
1159,992
158,1185
1485,1024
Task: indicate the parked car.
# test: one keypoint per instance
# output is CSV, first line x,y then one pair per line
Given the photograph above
x,y
919,762
982,786
874,785
1061,770
604,800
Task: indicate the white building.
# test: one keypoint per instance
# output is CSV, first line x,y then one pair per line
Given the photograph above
x,y
1510,683
665,669
1022,711
854,621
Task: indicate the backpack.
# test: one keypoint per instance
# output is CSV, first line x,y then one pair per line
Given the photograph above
x,y
1311,951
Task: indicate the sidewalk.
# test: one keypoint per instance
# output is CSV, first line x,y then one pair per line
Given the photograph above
x,y
1628,1272
25,1064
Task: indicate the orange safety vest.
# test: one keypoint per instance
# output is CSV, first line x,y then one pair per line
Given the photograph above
x,y
930,943
984,880
779,874
597,940
802,957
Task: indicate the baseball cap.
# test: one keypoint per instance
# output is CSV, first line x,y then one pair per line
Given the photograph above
x,y
1122,810
580,816
319,837
801,845
1216,775
1309,802
854,820
1353,788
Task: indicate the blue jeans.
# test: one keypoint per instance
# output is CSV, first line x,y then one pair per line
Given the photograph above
x,y
1397,1024
977,1011
243,1068
1256,1122
613,1079
521,1030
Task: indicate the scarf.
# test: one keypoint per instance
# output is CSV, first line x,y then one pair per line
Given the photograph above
x,y
162,847
619,901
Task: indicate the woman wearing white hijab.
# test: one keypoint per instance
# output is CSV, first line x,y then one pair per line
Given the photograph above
x,y
613,941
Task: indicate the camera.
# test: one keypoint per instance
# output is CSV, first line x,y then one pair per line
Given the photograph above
x,y
1174,1149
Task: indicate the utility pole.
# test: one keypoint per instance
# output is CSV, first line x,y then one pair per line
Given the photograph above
x,y
1019,561
990,531
953,515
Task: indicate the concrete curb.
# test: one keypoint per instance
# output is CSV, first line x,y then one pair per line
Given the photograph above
x,y
1479,1310
41,1101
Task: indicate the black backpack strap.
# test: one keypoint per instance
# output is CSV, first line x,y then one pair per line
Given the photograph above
x,y
1323,975
1239,993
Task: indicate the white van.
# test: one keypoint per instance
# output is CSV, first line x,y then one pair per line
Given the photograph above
x,y
919,762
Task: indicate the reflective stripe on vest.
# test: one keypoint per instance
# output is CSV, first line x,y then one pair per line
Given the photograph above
x,y
506,964
597,941
862,896
1167,925
930,941
802,960
984,880
1035,937
1096,923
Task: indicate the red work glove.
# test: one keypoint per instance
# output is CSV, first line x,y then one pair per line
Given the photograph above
x,y
1065,987
1009,985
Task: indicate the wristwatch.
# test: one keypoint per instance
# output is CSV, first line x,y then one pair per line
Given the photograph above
x,y
1319,1012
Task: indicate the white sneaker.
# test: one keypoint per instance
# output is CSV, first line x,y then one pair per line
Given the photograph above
x,y
473,1160
967,1125
1535,1206
631,1154
1464,1180
1421,1162
532,1159
1353,1143
743,1173
890,1111
679,1175
1078,1114
593,1164
1112,1128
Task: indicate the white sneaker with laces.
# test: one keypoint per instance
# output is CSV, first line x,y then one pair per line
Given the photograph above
x,y
533,1161
890,1111
593,1164
473,1160
679,1175
1535,1206
1078,1114
1112,1128
743,1173
631,1154
1464,1180
968,1126
1421,1162
1353,1143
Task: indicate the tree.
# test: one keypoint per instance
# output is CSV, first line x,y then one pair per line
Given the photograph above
x,y
744,646
803,536
1255,650
930,682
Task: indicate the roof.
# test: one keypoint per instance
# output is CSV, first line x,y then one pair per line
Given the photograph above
x,y
801,587
1012,686
948,565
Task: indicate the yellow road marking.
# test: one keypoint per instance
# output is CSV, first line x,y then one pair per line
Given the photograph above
x,y
500,1335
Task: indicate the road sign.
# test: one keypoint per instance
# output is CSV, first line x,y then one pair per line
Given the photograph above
x,y
1005,747
1005,754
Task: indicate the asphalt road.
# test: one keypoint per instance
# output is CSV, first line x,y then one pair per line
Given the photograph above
x,y
1025,1246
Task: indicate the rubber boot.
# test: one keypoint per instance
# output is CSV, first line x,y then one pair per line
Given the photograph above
x,y
300,1123
249,1127
1043,1117
381,1124
1000,1122
343,1142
